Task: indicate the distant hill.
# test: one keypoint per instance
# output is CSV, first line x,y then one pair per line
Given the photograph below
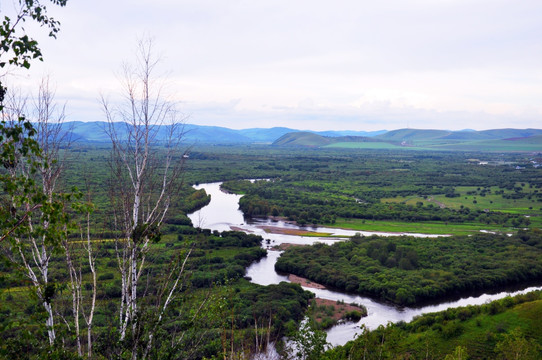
x,y
412,134
425,135
338,133
306,138
96,132
506,140
511,133
262,135
214,134
302,139
468,140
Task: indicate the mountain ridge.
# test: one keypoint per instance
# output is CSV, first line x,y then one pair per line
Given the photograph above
x,y
95,131
283,136
427,139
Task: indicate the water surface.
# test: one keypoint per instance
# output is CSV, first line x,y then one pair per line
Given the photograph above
x,y
223,213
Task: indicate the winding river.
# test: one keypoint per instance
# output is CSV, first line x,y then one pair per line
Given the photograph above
x,y
223,213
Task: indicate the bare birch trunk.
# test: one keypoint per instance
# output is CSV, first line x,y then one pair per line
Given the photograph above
x,y
89,319
145,176
34,251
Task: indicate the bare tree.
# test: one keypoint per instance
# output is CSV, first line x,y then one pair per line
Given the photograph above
x,y
81,306
146,165
42,224
53,135
89,316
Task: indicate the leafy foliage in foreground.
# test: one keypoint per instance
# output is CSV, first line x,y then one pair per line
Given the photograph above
x,y
217,307
407,270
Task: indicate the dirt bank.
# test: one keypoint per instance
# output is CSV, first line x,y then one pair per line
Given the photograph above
x,y
304,282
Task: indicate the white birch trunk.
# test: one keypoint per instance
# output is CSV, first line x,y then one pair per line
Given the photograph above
x,y
142,187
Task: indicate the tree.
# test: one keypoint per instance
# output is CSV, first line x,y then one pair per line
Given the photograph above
x,y
31,217
39,220
460,353
516,346
146,166
52,135
309,342
74,266
19,50
17,136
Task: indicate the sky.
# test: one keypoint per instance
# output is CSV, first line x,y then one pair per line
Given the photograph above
x,y
307,64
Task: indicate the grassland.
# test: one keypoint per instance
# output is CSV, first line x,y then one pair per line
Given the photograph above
x,y
364,145
432,145
491,198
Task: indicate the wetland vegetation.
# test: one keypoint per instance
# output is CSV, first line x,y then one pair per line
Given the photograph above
x,y
446,193
408,271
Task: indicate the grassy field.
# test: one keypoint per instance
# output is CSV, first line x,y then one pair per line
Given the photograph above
x,y
440,145
504,329
481,333
470,197
364,145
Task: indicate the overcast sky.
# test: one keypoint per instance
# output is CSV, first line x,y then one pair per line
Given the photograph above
x,y
320,65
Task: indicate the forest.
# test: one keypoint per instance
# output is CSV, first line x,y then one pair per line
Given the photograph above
x,y
408,271
231,311
402,270
438,188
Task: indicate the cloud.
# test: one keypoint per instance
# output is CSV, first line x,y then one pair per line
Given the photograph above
x,y
342,64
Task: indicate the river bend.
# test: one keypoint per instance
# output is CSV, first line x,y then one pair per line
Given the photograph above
x,y
223,214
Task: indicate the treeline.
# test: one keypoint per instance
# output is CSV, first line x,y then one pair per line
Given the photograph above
x,y
376,168
407,270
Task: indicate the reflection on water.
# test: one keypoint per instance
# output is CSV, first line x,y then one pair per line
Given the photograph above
x,y
223,213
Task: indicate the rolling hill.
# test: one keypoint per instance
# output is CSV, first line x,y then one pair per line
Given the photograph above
x,y
464,140
505,140
199,134
307,139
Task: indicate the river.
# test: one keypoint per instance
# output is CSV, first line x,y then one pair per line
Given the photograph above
x,y
223,213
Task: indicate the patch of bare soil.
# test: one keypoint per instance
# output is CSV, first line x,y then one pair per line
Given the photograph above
x,y
304,282
236,228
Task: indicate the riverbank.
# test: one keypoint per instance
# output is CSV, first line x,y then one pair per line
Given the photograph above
x,y
304,282
290,231
411,271
376,227
504,329
223,214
